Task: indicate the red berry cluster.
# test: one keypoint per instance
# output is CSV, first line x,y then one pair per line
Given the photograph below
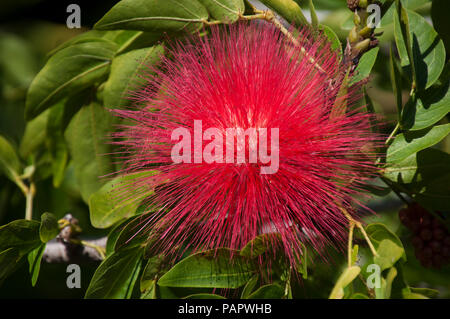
x,y
431,239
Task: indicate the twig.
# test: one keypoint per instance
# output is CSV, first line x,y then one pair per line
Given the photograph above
x,y
270,17
58,251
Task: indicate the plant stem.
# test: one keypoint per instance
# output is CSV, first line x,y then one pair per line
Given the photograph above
x,y
366,237
361,228
28,192
350,244
29,201
394,189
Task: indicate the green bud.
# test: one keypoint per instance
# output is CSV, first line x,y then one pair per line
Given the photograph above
x,y
362,46
356,18
365,32
363,4
353,35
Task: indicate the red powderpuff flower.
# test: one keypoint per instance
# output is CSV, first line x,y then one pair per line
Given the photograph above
x,y
248,76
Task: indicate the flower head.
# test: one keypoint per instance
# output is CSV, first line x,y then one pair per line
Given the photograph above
x,y
298,154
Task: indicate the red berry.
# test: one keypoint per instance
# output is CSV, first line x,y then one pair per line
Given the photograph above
x,y
417,242
414,225
438,234
426,234
447,240
435,246
446,251
427,252
403,216
438,261
435,223
425,220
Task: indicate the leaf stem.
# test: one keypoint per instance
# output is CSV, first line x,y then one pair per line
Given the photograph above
x,y
391,136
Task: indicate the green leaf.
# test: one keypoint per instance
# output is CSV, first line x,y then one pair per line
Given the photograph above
x,y
332,37
411,295
427,48
340,103
154,15
380,291
396,81
402,20
17,239
259,245
388,254
9,160
55,141
344,280
114,234
224,10
151,271
116,275
88,36
391,10
408,143
249,287
427,292
210,269
391,275
430,106
9,262
34,136
426,165
379,232
150,293
312,10
288,9
34,260
21,234
111,203
433,191
166,293
49,228
365,65
68,72
302,265
132,235
17,60
86,136
204,296
359,295
272,291
134,40
124,76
